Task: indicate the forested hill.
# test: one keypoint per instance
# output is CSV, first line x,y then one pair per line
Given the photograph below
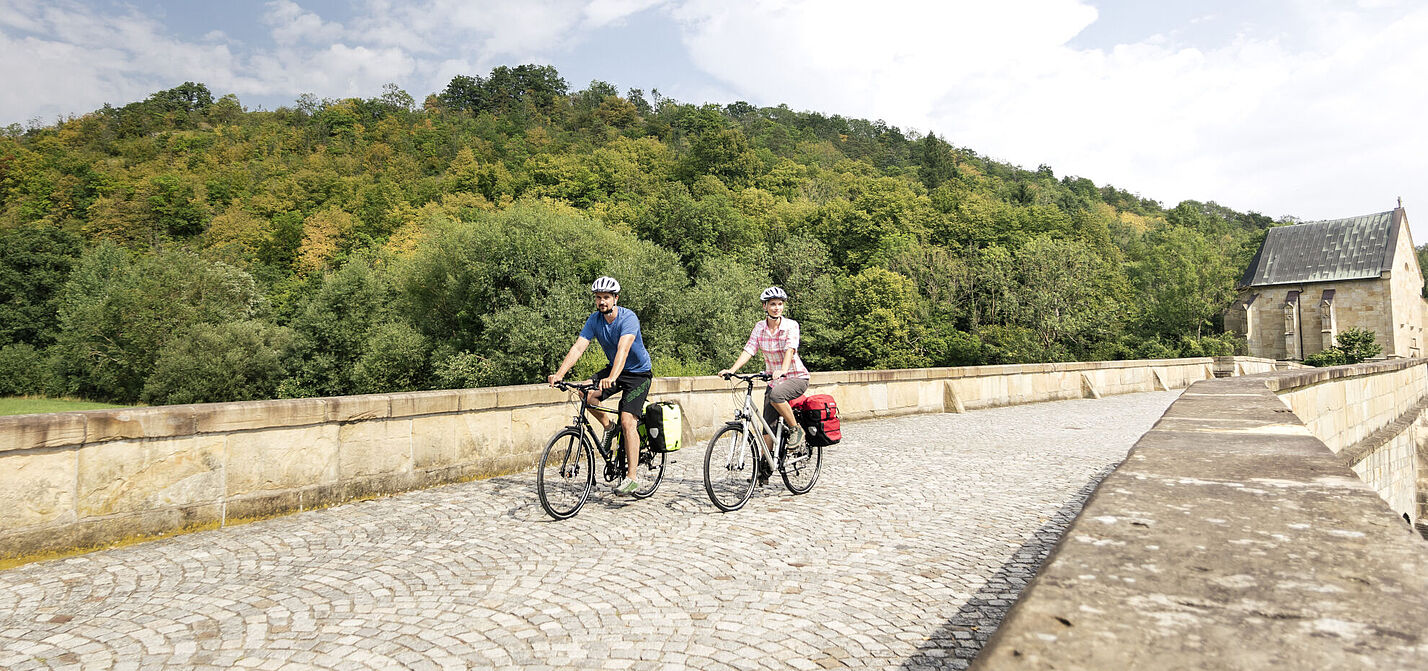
x,y
183,249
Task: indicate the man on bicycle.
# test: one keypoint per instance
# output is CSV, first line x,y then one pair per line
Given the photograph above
x,y
629,373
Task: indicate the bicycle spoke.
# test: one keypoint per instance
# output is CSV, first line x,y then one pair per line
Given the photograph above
x,y
564,479
729,469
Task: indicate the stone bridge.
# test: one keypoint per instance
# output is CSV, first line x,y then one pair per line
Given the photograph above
x,y
1260,523
917,538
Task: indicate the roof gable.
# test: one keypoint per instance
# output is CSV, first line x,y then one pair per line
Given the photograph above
x,y
1323,251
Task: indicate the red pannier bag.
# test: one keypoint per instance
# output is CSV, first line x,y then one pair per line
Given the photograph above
x,y
818,414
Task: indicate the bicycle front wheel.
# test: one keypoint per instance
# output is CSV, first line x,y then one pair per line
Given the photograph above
x,y
730,465
799,467
566,474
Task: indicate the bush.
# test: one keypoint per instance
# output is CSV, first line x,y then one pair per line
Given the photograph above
x,y
1358,344
393,360
1353,345
1332,356
116,314
1155,349
463,370
22,370
235,361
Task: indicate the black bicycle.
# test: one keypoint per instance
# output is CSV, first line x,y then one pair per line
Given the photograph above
x,y
737,453
567,466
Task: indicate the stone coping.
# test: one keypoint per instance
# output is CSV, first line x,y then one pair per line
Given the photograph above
x,y
1304,377
38,431
1230,538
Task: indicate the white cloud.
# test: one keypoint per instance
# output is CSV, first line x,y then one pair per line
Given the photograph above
x,y
1324,130
291,24
65,57
601,13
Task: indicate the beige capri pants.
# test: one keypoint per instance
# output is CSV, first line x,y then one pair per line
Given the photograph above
x,y
782,391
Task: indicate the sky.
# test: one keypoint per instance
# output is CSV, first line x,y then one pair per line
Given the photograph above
x,y
1303,108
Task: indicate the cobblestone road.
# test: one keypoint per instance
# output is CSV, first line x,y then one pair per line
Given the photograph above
x,y
918,536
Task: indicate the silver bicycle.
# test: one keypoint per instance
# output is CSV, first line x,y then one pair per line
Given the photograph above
x,y
737,456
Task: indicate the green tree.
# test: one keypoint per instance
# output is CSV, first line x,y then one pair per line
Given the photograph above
x,y
1064,298
882,328
332,330
117,312
1185,282
231,361
35,261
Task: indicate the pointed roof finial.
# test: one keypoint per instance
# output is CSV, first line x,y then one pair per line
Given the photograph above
x,y
1400,202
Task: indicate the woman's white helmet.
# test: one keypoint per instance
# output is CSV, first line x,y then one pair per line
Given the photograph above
x,y
605,285
772,293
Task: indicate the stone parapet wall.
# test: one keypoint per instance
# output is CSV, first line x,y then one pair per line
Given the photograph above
x,y
1233,538
81,479
1369,415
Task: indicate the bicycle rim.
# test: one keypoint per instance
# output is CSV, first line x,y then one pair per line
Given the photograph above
x,y
566,475
800,467
650,471
729,469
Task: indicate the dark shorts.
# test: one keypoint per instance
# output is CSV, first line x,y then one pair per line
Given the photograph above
x,y
782,391
633,387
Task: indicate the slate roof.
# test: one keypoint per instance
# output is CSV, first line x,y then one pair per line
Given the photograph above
x,y
1323,251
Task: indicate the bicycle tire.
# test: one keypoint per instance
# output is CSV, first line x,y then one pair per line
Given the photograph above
x,y
650,470
561,485
799,468
730,466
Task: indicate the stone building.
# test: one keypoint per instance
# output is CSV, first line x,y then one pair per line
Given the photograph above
x,y
1311,281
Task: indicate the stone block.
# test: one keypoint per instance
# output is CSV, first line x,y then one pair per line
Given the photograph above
x,y
480,399
375,448
452,440
901,395
261,505
160,422
527,394
533,425
244,415
127,476
417,403
355,408
56,429
37,488
281,459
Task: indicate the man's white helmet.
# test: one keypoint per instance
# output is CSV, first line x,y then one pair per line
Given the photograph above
x,y
605,285
772,293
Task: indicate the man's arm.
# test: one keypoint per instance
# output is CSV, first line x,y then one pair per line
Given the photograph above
x,y
576,350
622,350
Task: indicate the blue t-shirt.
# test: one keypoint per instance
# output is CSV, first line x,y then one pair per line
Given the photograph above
x,y
608,335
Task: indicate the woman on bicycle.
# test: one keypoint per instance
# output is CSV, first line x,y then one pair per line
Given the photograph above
x,y
777,338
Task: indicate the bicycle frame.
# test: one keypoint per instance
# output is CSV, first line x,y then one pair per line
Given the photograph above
x,y
581,422
749,419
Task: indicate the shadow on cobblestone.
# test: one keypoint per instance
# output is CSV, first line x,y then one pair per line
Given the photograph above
x,y
956,643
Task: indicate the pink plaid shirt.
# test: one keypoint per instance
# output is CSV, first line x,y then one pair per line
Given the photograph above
x,y
773,343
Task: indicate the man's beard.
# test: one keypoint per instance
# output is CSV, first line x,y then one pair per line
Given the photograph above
x,y
606,311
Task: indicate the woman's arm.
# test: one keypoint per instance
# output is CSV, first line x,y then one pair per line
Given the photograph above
x,y
787,363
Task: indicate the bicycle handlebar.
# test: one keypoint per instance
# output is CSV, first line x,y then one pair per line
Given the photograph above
x,y
748,378
575,386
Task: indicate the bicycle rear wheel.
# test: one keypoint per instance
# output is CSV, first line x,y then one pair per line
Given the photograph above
x,y
650,470
566,474
729,468
800,466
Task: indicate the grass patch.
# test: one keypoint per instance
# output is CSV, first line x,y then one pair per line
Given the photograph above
x,y
25,405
